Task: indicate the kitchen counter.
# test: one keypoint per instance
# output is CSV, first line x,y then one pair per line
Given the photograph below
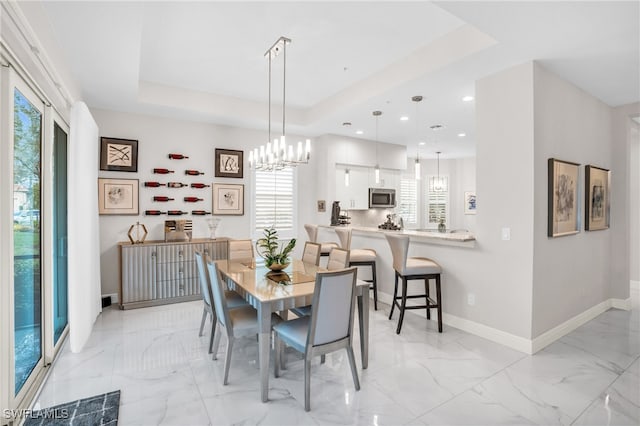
x,y
460,239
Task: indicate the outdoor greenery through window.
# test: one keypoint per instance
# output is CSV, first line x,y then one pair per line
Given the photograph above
x,y
274,200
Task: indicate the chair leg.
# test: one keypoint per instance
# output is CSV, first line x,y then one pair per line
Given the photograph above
x,y
323,358
395,294
216,345
278,354
375,286
307,383
426,292
439,299
404,304
352,364
204,319
214,325
227,360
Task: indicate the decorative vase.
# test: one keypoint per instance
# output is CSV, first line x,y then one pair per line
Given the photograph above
x,y
442,227
278,266
213,223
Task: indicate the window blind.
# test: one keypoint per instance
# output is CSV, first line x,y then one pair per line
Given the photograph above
x,y
274,199
437,200
408,204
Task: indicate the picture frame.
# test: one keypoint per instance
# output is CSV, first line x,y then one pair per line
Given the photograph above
x,y
118,196
229,163
470,202
562,196
118,155
322,206
597,198
228,199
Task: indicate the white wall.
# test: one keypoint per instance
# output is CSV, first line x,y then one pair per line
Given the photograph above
x,y
157,137
634,200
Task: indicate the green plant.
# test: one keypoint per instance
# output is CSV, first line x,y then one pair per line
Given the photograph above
x,y
272,252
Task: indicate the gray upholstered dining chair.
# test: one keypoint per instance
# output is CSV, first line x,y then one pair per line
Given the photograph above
x,y
311,253
239,322
338,259
413,268
328,329
325,248
240,249
234,300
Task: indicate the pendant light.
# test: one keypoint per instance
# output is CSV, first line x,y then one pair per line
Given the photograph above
x,y
438,184
377,114
418,173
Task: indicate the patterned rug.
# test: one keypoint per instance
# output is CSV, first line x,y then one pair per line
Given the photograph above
x,y
93,411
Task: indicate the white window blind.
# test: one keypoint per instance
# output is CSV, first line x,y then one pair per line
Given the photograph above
x,y
437,206
274,199
408,200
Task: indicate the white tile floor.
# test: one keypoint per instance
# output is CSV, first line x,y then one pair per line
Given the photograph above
x,y
155,357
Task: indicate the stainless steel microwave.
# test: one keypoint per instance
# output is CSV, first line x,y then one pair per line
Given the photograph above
x,y
382,198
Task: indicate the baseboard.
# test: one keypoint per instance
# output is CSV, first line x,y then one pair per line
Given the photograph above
x,y
113,296
520,343
635,285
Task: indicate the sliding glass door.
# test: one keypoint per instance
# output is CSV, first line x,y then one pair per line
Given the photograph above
x,y
59,232
27,283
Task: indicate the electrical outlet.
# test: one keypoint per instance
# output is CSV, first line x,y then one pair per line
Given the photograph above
x,y
471,299
506,234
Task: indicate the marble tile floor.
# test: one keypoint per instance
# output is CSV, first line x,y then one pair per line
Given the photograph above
x,y
155,357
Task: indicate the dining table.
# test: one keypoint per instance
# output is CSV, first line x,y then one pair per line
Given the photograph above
x,y
278,291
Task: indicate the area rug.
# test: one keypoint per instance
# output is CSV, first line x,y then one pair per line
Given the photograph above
x,y
93,411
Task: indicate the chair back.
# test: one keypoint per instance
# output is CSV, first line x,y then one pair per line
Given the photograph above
x,y
338,259
344,235
312,232
399,250
240,249
219,298
203,277
333,301
311,253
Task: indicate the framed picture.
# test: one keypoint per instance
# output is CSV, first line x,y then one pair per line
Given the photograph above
x,y
228,199
118,196
470,202
119,155
563,218
322,206
596,200
228,163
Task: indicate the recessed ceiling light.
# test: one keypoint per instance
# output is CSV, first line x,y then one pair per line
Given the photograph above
x,y
404,118
462,135
421,143
359,132
467,98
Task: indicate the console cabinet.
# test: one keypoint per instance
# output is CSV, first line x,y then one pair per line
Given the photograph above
x,y
158,272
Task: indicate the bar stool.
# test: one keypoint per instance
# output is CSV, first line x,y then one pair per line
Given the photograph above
x,y
413,268
360,257
325,248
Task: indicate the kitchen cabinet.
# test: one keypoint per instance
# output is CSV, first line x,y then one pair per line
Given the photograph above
x,y
356,195
158,272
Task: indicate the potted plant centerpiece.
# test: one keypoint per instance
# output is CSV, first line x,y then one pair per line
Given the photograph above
x,y
276,256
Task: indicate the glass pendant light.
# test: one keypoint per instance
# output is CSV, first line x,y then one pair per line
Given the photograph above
x,y
377,114
418,173
438,184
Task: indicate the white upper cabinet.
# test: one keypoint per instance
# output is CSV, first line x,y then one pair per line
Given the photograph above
x,y
356,195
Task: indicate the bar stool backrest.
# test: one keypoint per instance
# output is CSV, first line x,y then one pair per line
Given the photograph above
x,y
344,235
399,250
312,232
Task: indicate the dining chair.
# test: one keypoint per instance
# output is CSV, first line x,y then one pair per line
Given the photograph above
x,y
234,300
325,248
413,268
239,322
311,253
240,249
338,259
328,329
361,257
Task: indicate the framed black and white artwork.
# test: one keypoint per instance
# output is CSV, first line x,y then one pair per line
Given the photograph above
x,y
562,217
596,200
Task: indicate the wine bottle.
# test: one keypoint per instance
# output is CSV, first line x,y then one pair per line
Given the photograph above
x,y
162,198
193,172
176,185
153,212
200,212
177,156
176,212
154,184
199,185
192,199
159,171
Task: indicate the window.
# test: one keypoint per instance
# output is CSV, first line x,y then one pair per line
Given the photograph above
x,y
274,200
408,201
437,200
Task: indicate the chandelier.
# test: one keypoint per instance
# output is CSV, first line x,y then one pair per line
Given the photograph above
x,y
278,155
